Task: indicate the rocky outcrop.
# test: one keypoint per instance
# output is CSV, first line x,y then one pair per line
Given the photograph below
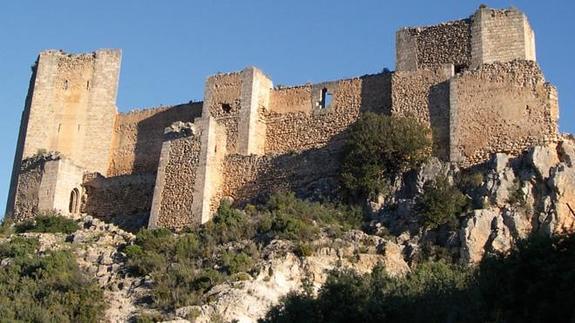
x,y
283,272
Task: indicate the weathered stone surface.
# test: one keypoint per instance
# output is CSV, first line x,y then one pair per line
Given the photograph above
x,y
562,181
475,234
543,158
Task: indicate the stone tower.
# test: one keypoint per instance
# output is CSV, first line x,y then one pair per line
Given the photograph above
x,y
70,108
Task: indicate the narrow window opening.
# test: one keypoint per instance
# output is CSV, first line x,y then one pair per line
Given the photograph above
x,y
459,68
227,108
65,84
74,206
78,127
87,85
59,127
326,99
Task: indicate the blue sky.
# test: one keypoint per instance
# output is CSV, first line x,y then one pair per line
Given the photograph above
x,y
171,47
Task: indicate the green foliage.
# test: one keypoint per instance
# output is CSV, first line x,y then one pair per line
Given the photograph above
x,y
6,227
235,262
440,203
48,223
431,293
185,266
303,249
286,217
378,149
45,288
516,195
18,247
534,283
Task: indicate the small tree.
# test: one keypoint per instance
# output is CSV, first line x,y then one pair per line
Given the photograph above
x,y
440,203
378,149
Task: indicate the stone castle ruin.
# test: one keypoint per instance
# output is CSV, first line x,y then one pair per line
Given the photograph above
x,y
473,81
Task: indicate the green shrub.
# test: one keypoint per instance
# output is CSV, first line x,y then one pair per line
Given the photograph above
x,y
516,194
533,283
235,262
303,249
440,203
18,247
48,224
294,219
431,293
45,288
6,227
378,149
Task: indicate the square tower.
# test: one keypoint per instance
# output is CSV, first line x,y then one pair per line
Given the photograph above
x,y
501,36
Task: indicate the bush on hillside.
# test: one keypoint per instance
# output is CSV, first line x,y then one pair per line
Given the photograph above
x,y
186,265
45,288
48,223
440,203
378,149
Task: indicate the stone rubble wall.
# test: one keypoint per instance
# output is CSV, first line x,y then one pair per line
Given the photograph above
x,y
138,137
28,187
500,107
309,174
173,193
424,96
120,196
294,125
432,46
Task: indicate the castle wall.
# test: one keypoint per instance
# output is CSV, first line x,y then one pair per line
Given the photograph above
x,y
311,174
424,96
432,46
501,36
501,107
173,192
120,196
294,125
138,137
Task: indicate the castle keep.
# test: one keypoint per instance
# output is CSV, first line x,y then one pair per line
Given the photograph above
x,y
473,81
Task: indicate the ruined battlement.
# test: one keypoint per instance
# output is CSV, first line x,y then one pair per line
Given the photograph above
x,y
489,35
474,82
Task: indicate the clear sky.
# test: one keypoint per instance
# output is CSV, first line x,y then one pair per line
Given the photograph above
x,y
171,47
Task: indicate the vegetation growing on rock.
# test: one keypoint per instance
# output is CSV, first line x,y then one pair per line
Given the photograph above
x,y
378,149
185,266
45,287
47,223
440,203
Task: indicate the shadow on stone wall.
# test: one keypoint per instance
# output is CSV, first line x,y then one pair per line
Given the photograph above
x,y
438,99
123,200
150,134
376,93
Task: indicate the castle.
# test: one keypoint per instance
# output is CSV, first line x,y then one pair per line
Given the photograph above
x,y
474,82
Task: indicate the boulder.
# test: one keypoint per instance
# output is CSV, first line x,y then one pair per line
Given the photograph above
x,y
563,198
475,234
543,158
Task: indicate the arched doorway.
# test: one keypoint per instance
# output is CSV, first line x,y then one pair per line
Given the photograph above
x,y
74,207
